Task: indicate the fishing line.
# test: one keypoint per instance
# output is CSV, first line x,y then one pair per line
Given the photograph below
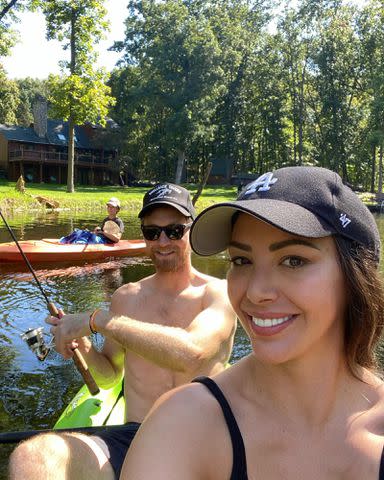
x,y
24,257
34,336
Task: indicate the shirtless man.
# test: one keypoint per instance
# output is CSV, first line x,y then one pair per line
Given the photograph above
x,y
161,332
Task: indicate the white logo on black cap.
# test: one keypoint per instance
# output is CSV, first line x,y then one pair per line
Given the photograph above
x,y
160,192
163,191
261,184
344,220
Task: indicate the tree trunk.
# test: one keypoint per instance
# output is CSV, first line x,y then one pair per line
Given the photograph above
x,y
7,8
71,156
373,171
380,183
180,166
202,183
71,123
301,115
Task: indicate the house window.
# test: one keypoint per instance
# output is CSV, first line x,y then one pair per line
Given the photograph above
x,y
61,137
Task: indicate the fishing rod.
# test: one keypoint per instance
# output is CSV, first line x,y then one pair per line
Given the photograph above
x,y
34,337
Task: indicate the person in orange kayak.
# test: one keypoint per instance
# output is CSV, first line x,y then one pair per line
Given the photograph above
x,y
110,231
112,227
160,332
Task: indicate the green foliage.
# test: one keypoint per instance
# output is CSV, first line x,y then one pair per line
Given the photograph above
x,y
29,88
83,98
181,62
310,93
8,36
79,24
9,98
211,80
179,75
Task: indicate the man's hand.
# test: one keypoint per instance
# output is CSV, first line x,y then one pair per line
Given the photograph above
x,y
69,332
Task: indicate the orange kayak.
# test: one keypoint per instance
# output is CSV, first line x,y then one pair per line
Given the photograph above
x,y
50,250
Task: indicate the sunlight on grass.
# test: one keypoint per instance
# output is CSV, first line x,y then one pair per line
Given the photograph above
x,y
91,197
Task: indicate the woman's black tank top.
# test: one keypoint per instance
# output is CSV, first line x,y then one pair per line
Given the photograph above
x,y
239,467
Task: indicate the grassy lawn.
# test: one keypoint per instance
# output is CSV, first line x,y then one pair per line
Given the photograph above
x,y
95,198
88,198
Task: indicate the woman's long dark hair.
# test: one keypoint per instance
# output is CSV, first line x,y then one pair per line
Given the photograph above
x,y
364,314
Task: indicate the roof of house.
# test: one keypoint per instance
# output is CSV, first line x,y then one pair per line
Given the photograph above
x,y
57,134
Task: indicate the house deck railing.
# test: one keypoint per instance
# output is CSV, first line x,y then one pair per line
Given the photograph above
x,y
41,156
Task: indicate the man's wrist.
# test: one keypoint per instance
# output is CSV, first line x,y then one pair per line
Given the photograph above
x,y
92,321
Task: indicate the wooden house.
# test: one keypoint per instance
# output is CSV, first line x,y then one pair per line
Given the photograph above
x,y
40,152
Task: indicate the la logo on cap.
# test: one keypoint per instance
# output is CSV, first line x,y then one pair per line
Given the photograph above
x,y
261,184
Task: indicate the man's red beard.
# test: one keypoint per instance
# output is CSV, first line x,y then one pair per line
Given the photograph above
x,y
171,263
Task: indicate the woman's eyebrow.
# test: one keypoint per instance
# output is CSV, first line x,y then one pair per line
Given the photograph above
x,y
242,246
293,241
275,246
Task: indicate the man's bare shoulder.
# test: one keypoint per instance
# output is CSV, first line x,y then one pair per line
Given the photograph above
x,y
209,281
133,288
215,295
216,288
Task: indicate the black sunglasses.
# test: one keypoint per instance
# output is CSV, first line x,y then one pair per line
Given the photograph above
x,y
173,232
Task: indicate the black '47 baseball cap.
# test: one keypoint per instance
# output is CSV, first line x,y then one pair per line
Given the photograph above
x,y
306,201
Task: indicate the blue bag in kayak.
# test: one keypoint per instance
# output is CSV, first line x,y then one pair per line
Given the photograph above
x,y
82,236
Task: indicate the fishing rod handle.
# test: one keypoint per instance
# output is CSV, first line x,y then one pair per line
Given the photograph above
x,y
78,359
82,367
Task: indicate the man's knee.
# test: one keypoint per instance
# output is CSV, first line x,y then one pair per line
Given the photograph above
x,y
64,456
43,454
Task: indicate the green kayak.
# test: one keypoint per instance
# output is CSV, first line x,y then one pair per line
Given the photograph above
x,y
86,410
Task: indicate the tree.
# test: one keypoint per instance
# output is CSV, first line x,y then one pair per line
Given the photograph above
x,y
294,38
184,60
240,30
9,98
205,79
29,88
8,36
371,29
82,95
180,79
334,91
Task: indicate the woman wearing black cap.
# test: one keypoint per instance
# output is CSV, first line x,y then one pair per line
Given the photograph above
x,y
307,403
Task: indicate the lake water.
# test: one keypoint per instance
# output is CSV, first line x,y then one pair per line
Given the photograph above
x,y
33,393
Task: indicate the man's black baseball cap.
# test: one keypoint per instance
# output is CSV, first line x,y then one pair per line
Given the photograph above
x,y
168,194
306,201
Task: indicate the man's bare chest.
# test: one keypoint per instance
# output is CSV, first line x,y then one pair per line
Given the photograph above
x,y
170,310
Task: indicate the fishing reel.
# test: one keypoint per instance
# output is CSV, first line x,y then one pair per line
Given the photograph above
x,y
34,338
